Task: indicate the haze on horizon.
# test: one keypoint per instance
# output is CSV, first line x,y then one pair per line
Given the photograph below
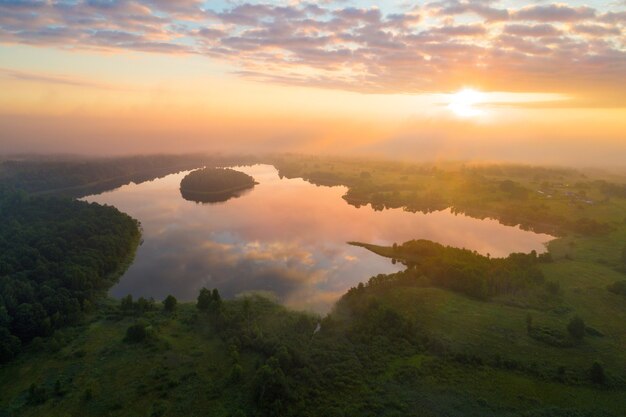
x,y
512,80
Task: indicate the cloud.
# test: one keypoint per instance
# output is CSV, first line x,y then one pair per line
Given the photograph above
x,y
531,30
554,13
438,46
613,17
22,4
596,30
56,79
480,8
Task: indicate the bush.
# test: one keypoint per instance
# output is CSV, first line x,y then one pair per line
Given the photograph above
x,y
87,395
552,337
136,333
58,389
36,395
236,372
553,287
576,328
126,304
9,345
596,373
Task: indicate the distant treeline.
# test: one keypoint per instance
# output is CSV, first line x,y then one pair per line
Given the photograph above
x,y
78,178
547,200
56,256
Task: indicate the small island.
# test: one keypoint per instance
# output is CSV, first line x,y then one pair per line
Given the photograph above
x,y
215,185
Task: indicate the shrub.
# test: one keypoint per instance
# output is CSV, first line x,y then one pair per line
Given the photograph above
x,y
126,304
553,287
9,345
236,372
550,336
58,388
36,395
87,394
596,373
136,333
576,328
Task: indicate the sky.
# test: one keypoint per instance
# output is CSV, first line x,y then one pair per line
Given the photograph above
x,y
523,81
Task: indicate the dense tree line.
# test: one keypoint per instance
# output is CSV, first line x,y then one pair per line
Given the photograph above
x,y
501,191
56,256
77,178
74,177
462,270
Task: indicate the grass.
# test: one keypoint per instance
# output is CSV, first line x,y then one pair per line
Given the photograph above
x,y
181,369
499,328
499,391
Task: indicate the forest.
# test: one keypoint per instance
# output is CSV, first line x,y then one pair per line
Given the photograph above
x,y
57,256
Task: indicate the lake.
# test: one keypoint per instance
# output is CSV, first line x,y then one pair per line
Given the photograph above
x,y
286,238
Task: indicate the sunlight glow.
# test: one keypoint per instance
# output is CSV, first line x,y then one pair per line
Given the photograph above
x,y
463,103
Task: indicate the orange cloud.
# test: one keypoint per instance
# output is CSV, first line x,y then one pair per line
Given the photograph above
x,y
549,47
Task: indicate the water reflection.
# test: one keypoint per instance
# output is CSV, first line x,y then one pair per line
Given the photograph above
x,y
287,237
212,198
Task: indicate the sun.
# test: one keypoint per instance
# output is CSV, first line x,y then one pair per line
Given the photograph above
x,y
463,102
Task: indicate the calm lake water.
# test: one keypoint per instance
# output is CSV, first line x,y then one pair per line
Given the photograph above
x,y
285,237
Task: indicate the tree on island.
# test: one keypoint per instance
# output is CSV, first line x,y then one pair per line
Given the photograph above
x,y
214,185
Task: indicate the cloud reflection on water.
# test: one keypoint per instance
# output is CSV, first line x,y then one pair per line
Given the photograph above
x,y
286,236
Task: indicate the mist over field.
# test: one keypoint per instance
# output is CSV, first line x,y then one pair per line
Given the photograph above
x,y
412,140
